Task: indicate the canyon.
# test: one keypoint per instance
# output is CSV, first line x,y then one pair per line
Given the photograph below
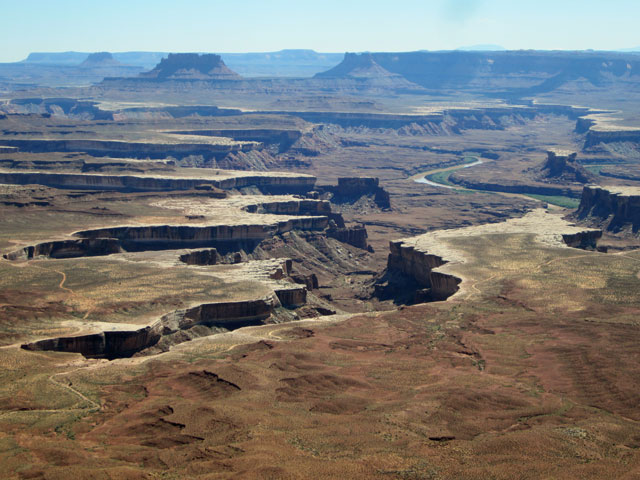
x,y
294,265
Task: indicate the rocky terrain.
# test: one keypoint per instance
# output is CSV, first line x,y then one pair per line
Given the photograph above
x,y
614,208
406,265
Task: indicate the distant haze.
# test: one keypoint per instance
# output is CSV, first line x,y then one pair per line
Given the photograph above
x,y
329,26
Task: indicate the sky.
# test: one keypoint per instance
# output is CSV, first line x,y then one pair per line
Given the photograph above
x,y
322,25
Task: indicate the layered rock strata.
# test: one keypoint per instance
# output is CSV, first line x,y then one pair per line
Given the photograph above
x,y
614,208
420,266
224,238
434,264
563,166
121,149
125,343
276,184
355,236
351,188
612,135
84,247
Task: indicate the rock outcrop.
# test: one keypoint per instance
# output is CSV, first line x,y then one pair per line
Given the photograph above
x,y
120,344
615,209
268,183
412,277
562,166
143,150
612,135
586,240
100,59
224,238
350,189
84,247
201,257
191,66
356,236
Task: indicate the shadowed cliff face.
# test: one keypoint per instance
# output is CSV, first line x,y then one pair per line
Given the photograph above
x,y
595,137
615,209
125,343
131,183
410,277
562,166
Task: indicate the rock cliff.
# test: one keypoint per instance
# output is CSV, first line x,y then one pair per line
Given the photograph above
x,y
562,166
143,150
613,135
349,189
612,208
411,276
274,183
85,247
100,59
224,238
125,343
586,240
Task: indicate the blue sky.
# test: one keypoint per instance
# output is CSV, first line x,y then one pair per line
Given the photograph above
x,y
322,25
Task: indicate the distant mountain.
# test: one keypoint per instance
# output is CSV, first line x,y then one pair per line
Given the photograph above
x,y
357,65
523,72
191,66
482,48
285,63
56,58
138,59
100,59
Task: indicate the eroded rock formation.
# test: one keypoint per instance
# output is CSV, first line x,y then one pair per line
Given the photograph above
x,y
562,166
612,208
586,240
349,189
191,66
125,343
84,247
411,276
224,238
121,149
277,184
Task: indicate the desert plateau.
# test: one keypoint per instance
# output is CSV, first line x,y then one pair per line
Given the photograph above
x,y
297,265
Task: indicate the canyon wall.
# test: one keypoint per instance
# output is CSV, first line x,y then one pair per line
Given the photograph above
x,y
224,238
268,184
413,263
419,267
594,137
614,208
84,247
121,149
125,343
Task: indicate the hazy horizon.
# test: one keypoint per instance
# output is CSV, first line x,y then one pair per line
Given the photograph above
x,y
335,27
